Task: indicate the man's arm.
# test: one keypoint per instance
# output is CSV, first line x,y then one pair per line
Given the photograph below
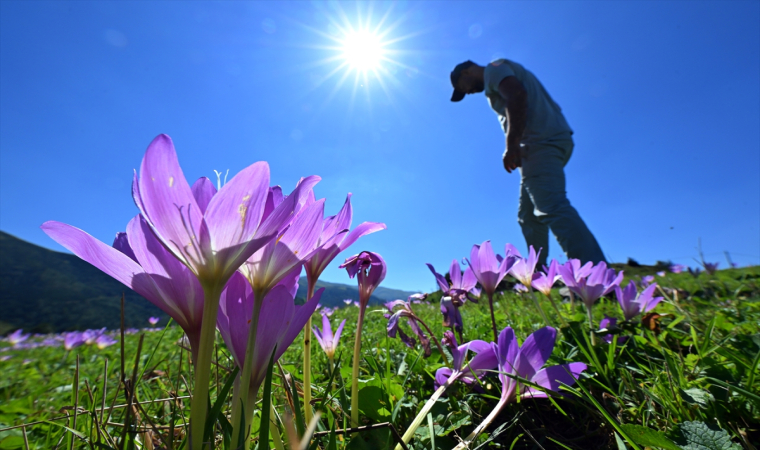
x,y
514,95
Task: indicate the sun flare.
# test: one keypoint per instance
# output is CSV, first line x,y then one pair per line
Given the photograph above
x,y
362,50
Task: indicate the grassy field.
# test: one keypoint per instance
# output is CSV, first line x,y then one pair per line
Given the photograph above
x,y
685,379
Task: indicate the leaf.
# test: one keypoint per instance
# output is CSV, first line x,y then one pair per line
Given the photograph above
x,y
700,436
648,437
12,442
372,402
697,396
266,401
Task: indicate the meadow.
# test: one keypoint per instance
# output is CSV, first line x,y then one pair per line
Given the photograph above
x,y
684,376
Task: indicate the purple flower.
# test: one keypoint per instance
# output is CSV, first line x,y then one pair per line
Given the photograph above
x,y
72,340
280,322
104,341
348,301
646,280
661,273
327,340
452,318
489,268
212,233
543,281
478,366
519,288
141,262
523,268
607,323
414,323
335,238
677,268
462,287
269,265
711,268
5,358
371,270
633,304
526,362
600,281
90,336
17,337
153,320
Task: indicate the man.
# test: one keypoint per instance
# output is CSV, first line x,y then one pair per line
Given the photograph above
x,y
539,142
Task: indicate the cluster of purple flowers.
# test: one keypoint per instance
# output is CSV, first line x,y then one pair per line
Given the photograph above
x,y
226,257
69,340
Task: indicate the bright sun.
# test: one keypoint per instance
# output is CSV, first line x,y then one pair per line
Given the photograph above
x,y
363,50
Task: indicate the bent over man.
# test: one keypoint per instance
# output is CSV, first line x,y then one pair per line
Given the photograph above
x,y
539,142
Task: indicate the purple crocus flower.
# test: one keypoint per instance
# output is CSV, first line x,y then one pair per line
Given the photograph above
x,y
104,341
607,323
489,269
348,301
141,262
335,237
600,281
153,320
484,361
90,336
452,318
543,281
327,340
677,268
371,269
280,322
633,303
72,340
394,321
211,232
526,362
711,268
523,268
17,337
462,287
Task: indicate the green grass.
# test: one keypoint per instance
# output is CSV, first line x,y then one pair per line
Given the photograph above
x,y
694,378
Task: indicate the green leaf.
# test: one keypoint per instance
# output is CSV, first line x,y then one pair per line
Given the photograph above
x,y
700,436
648,437
697,396
372,402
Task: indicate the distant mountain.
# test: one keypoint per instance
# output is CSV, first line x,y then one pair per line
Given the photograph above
x,y
46,291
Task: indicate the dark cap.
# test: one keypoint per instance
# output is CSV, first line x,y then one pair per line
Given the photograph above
x,y
458,95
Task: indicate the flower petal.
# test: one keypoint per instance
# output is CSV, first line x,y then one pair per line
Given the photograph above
x,y
535,351
203,190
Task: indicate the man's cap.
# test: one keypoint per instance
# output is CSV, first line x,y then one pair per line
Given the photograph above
x,y
458,95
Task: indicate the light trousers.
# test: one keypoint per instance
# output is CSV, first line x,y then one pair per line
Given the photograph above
x,y
544,205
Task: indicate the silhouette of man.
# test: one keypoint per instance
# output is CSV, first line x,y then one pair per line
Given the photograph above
x,y
539,142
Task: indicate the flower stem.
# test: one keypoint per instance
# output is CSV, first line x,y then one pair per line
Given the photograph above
x,y
307,360
199,406
240,435
425,410
556,309
493,318
538,305
355,372
483,425
591,326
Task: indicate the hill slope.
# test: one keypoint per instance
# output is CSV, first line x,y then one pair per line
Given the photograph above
x,y
45,291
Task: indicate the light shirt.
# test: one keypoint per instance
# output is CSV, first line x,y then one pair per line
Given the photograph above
x,y
545,120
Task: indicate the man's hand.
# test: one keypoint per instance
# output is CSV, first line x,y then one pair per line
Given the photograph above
x,y
511,159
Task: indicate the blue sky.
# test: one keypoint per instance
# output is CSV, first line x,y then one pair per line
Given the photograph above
x,y
664,98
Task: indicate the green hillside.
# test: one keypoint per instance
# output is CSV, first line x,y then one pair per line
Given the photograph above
x,y
46,291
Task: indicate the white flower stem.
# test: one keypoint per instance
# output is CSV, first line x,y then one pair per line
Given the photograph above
x,y
199,405
425,410
483,425
307,361
355,371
